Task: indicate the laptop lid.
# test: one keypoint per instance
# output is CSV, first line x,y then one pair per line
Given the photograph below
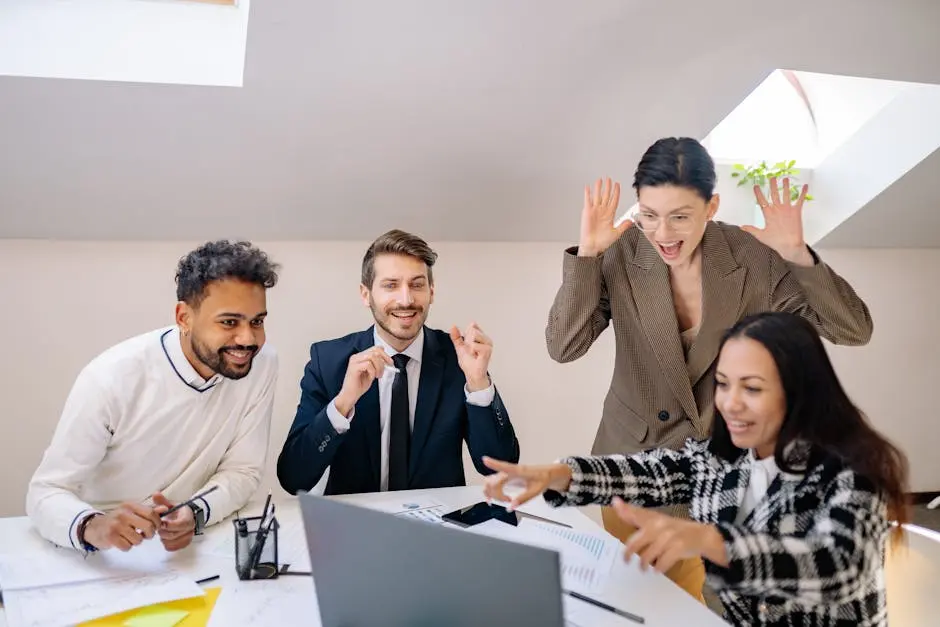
x,y
371,568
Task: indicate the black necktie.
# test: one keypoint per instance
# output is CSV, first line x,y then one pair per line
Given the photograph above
x,y
399,441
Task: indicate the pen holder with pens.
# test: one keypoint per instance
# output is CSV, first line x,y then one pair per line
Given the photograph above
x,y
256,548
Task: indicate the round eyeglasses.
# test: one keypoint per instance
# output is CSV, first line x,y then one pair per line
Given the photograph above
x,y
650,222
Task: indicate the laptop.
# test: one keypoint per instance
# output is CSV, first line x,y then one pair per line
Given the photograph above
x,y
374,569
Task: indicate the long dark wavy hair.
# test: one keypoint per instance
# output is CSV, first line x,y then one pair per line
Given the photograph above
x,y
818,411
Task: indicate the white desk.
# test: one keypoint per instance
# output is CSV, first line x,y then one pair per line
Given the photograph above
x,y
649,594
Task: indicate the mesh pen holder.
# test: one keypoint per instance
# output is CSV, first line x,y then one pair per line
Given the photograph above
x,y
256,548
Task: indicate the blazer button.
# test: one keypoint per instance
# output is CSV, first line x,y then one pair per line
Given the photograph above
x,y
663,415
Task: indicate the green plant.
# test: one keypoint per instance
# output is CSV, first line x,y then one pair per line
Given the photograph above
x,y
761,174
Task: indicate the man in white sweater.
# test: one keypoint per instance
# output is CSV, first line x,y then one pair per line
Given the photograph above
x,y
166,415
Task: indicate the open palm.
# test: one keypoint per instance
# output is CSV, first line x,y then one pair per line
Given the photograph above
x,y
597,218
783,221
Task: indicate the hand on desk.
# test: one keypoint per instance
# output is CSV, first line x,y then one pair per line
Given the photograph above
x,y
176,530
122,528
535,480
661,540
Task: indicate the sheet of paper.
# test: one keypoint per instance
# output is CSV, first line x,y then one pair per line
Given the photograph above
x,y
398,505
586,557
156,616
596,547
197,609
58,566
284,601
292,546
429,514
580,614
62,606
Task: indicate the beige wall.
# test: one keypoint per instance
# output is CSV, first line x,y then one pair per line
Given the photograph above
x,y
65,302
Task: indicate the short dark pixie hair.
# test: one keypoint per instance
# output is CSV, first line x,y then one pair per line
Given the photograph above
x,y
678,161
219,260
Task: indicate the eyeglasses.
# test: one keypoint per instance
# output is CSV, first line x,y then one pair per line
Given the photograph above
x,y
649,222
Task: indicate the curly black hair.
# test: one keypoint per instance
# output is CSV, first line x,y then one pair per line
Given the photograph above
x,y
222,259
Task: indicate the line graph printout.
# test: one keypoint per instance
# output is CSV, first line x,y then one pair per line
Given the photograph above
x,y
587,558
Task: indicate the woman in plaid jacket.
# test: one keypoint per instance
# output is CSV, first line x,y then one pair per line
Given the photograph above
x,y
791,498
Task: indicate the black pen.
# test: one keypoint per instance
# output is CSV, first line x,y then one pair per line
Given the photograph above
x,y
604,606
207,579
258,548
187,503
264,512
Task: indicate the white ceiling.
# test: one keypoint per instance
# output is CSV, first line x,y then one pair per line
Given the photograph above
x,y
461,120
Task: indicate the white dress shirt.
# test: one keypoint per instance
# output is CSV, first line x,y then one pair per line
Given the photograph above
x,y
763,472
139,419
482,398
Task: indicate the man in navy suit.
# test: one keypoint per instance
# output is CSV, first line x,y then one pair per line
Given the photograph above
x,y
390,407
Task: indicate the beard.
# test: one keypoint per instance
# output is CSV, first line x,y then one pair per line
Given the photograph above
x,y
386,321
215,359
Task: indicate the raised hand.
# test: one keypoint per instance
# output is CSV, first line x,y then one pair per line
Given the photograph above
x,y
597,219
474,350
534,479
783,220
362,370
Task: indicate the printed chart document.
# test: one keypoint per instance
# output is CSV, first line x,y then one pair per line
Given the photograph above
x,y
59,566
422,508
68,604
403,505
586,557
63,587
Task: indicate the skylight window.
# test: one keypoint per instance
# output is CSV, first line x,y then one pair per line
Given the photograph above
x,y
189,42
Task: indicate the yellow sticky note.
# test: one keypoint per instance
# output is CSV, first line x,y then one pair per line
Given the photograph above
x,y
196,613
156,616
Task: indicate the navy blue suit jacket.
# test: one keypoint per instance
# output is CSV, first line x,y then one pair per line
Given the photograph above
x,y
443,421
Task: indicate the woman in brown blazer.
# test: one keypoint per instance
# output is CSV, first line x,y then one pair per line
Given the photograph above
x,y
672,285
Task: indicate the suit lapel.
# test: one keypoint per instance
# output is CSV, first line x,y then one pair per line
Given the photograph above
x,y
429,391
722,286
649,278
367,410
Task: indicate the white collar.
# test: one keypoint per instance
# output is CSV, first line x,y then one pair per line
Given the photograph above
x,y
768,464
173,348
415,350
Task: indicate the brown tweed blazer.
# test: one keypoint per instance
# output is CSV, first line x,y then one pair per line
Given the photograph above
x,y
656,398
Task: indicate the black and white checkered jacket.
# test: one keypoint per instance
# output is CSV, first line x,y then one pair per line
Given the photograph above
x,y
811,553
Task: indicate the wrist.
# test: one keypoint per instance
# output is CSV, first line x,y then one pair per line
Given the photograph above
x,y
343,404
199,518
799,255
477,384
587,251
86,533
713,545
561,478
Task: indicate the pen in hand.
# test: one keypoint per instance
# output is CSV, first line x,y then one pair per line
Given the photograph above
x,y
187,503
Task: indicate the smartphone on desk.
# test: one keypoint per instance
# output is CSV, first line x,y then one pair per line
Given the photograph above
x,y
483,511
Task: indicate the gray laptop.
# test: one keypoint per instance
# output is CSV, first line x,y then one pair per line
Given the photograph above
x,y
373,569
